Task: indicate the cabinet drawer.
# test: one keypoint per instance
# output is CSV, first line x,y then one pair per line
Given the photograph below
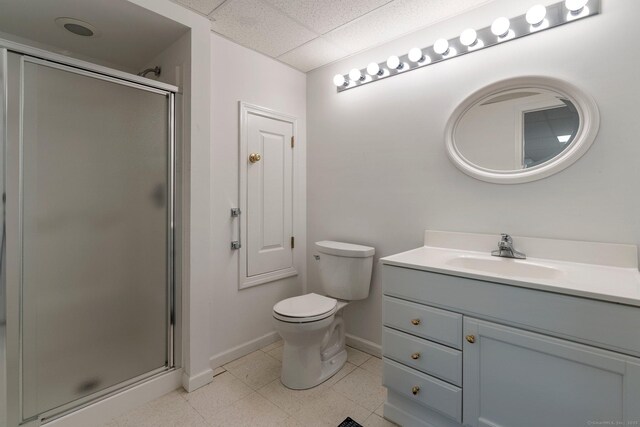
x,y
437,325
431,392
428,357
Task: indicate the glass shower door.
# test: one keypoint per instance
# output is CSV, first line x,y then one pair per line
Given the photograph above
x,y
96,236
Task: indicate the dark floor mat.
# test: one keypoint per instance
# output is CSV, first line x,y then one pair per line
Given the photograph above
x,y
349,423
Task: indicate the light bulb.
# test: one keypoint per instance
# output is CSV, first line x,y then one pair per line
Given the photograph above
x,y
415,55
339,80
394,63
355,75
373,69
535,15
500,26
575,6
469,37
441,46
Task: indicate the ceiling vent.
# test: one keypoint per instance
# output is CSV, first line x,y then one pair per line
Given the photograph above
x,y
77,27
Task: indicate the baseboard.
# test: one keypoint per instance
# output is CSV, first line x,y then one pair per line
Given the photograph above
x,y
364,345
194,382
227,356
395,415
102,411
405,412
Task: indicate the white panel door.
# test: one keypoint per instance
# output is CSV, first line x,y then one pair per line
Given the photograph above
x,y
269,195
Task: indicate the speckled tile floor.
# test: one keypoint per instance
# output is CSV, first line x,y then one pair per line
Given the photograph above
x,y
247,392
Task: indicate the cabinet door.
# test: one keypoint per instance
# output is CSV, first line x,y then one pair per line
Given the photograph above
x,y
517,378
266,196
269,196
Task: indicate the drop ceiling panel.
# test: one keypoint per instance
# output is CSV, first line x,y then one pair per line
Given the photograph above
x,y
203,6
312,55
260,26
396,19
323,16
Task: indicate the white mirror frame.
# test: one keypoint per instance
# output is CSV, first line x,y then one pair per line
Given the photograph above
x,y
586,134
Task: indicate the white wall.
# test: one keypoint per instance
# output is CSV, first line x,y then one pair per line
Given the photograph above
x,y
242,319
378,173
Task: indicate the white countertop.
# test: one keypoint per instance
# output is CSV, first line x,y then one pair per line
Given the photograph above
x,y
608,282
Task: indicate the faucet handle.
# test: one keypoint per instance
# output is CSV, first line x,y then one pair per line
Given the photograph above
x,y
506,238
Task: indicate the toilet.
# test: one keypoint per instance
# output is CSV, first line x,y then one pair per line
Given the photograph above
x,y
312,325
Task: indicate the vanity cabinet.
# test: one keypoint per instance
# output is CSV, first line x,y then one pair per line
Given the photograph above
x,y
460,351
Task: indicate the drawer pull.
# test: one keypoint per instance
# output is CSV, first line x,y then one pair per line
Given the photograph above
x,y
415,322
415,356
415,390
470,339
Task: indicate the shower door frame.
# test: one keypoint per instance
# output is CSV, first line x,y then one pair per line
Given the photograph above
x,y
14,211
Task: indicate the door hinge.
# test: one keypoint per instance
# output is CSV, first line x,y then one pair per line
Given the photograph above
x,y
293,242
293,142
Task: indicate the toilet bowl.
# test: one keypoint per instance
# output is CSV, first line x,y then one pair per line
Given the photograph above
x,y
312,326
313,345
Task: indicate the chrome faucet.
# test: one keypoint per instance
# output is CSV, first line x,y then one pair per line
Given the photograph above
x,y
505,248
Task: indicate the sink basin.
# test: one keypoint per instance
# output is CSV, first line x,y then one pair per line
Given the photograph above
x,y
505,267
601,271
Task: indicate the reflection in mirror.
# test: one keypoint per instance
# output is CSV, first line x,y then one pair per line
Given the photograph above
x,y
548,132
517,129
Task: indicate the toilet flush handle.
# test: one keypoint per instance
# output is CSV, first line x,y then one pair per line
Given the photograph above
x,y
317,257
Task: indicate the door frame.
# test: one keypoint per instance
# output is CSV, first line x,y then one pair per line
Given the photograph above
x,y
13,243
245,281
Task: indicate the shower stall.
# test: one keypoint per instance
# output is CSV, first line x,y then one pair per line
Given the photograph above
x,y
87,259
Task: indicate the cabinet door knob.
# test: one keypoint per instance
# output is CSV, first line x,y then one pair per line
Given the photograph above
x,y
254,157
415,322
470,339
415,390
415,356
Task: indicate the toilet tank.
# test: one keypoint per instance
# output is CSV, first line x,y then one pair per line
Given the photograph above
x,y
345,269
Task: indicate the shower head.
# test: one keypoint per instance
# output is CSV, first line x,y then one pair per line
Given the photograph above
x,y
156,72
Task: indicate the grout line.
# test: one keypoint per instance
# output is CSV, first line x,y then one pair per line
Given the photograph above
x,y
224,408
274,403
216,8
200,415
179,3
365,361
319,35
350,399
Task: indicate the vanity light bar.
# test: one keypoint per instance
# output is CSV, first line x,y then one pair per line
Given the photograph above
x,y
537,18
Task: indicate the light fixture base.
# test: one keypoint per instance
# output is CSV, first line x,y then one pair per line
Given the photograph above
x,y
556,15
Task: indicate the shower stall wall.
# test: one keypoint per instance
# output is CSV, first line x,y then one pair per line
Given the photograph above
x,y
89,199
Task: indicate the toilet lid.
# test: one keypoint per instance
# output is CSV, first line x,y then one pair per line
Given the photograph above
x,y
308,305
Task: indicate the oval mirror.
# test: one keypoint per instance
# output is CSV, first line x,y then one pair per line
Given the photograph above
x,y
522,129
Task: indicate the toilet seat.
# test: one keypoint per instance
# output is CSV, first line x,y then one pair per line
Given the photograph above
x,y
305,308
